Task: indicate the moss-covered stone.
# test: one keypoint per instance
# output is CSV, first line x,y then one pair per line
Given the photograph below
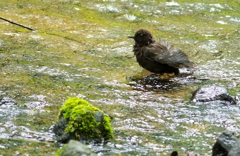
x,y
74,148
80,120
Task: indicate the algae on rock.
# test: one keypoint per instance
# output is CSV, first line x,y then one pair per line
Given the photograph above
x,y
74,148
80,120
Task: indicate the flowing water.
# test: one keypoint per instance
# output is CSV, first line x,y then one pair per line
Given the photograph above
x,y
81,49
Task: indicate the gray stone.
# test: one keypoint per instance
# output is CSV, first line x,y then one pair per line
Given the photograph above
x,y
98,116
223,144
235,150
59,130
207,94
75,148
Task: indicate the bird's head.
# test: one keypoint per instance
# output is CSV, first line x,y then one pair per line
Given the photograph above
x,y
143,37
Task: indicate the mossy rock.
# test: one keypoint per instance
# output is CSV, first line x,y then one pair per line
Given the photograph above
x,y
80,120
74,148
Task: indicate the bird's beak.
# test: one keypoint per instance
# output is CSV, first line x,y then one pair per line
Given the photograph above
x,y
131,36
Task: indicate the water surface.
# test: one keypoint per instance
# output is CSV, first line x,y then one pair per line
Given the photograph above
x,y
81,49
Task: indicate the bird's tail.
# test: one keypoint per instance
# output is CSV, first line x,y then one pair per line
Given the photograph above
x,y
180,59
177,57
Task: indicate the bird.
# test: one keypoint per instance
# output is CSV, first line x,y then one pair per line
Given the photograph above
x,y
158,57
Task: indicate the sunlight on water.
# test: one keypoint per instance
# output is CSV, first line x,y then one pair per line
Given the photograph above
x,y
81,49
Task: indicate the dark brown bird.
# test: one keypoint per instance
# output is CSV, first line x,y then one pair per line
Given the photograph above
x,y
158,57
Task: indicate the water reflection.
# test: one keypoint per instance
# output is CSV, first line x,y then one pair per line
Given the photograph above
x,y
148,81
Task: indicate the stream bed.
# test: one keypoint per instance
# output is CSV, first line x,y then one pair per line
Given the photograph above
x,y
81,49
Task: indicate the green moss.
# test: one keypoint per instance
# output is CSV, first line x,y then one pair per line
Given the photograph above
x,y
71,103
58,152
107,125
81,119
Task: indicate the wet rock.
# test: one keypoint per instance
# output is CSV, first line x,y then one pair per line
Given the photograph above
x,y
207,94
75,148
59,130
223,144
174,153
235,150
81,121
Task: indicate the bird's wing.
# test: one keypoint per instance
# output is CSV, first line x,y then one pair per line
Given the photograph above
x,y
156,52
166,54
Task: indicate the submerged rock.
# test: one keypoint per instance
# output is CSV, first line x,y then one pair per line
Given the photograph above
x,y
223,144
207,94
80,120
75,148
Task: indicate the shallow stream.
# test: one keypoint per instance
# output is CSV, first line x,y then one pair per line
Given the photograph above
x,y
81,49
